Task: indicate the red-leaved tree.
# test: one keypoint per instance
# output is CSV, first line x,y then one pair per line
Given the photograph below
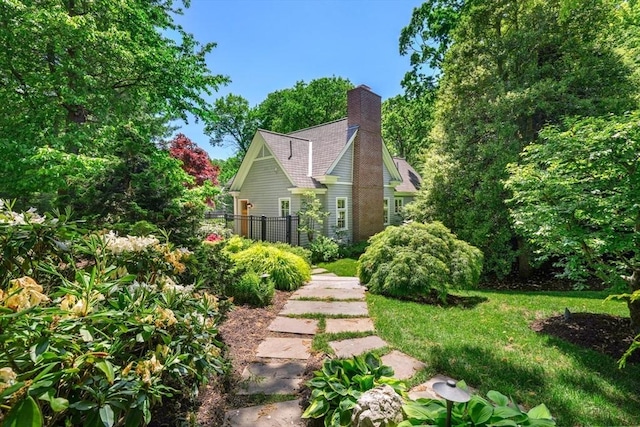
x,y
195,161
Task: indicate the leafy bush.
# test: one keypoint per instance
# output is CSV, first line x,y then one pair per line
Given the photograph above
x,y
211,267
324,249
337,387
353,250
236,244
214,226
417,259
303,253
95,346
252,289
288,271
479,412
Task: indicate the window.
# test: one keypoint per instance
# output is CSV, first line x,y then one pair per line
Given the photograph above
x,y
398,205
285,207
386,211
341,213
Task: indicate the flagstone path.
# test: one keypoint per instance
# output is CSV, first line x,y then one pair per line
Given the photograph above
x,y
281,359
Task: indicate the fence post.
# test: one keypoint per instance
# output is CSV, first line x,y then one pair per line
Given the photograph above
x,y
251,226
264,228
288,229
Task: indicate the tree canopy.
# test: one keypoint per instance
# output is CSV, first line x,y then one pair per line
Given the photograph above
x,y
86,80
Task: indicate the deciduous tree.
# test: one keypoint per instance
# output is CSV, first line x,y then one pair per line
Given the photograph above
x,y
195,161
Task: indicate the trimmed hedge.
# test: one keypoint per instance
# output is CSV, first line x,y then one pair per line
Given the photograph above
x,y
287,271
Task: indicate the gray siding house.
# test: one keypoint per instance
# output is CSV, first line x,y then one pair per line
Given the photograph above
x,y
345,163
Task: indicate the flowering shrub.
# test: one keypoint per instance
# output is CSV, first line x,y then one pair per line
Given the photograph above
x,y
213,238
103,347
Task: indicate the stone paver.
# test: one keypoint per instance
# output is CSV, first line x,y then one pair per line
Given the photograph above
x,y
358,324
425,390
348,308
272,415
272,378
284,348
404,366
334,282
329,293
356,346
294,326
319,270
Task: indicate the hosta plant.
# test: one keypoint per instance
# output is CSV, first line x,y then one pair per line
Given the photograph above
x,y
336,388
496,410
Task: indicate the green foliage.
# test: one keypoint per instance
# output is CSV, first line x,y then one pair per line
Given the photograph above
x,y
311,215
252,289
237,244
235,123
336,388
80,76
211,268
107,344
304,105
508,70
287,271
353,250
324,249
418,259
303,253
575,197
498,410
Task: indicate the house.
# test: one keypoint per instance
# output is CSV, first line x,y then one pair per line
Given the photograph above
x,y
344,162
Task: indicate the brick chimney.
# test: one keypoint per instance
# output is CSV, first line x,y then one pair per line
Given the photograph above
x,y
364,110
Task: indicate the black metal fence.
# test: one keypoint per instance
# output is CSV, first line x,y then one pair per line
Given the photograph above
x,y
268,229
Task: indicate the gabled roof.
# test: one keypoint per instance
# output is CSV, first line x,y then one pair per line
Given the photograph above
x,y
410,178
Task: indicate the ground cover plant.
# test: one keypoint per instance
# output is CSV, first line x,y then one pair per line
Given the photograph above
x,y
492,346
102,339
418,259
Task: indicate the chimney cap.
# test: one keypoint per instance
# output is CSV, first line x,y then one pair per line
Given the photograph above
x,y
364,87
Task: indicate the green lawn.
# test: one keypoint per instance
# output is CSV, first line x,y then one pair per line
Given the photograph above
x,y
345,267
491,346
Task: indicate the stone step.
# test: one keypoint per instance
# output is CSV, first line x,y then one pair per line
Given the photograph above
x,y
344,308
284,348
404,366
329,293
272,378
356,346
294,326
357,324
319,270
279,414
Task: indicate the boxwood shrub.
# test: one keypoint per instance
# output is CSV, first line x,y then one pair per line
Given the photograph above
x,y
419,259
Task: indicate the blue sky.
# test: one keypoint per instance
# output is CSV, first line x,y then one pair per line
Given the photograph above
x,y
267,45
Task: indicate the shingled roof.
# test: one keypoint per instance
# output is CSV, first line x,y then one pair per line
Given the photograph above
x,y
410,178
326,142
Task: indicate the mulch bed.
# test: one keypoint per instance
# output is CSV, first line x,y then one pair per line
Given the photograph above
x,y
610,335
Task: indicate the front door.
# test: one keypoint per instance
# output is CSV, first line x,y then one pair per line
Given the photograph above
x,y
244,220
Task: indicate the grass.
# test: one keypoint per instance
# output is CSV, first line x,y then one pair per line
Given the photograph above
x,y
492,347
346,267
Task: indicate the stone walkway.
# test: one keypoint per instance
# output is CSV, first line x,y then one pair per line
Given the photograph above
x,y
280,362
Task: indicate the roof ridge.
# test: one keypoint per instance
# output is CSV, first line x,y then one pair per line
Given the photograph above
x,y
282,134
316,126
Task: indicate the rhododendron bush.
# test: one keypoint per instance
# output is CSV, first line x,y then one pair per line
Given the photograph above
x,y
110,334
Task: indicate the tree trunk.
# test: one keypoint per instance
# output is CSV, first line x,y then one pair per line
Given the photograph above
x,y
524,261
634,306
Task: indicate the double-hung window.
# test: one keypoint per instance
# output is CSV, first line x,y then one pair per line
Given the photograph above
x,y
386,211
341,213
285,206
399,203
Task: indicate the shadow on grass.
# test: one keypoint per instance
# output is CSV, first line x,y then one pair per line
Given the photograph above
x,y
530,384
601,295
452,301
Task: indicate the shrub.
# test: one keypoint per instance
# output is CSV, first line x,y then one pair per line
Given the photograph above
x,y
252,289
336,388
296,250
288,271
418,259
324,249
497,411
211,268
236,244
353,250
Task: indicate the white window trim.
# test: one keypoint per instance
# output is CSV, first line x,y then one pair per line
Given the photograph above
x,y
280,200
387,215
395,205
346,213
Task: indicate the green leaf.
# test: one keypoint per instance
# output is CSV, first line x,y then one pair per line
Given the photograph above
x,y
423,412
498,398
504,423
107,416
505,412
479,411
539,412
317,409
133,418
106,367
25,414
59,404
86,335
82,405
